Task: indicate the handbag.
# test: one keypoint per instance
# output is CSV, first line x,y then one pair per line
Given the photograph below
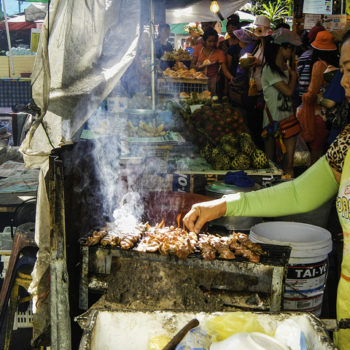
x,y
288,127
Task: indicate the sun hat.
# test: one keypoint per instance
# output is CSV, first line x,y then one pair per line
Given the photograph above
x,y
313,32
324,41
241,35
260,27
285,36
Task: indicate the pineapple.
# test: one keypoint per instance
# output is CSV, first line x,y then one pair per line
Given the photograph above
x,y
241,162
229,149
259,159
222,162
247,144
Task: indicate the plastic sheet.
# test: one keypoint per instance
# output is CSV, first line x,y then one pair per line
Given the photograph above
x,y
158,342
302,155
222,327
85,47
199,11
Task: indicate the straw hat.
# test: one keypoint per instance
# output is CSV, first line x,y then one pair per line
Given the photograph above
x,y
260,27
241,35
324,41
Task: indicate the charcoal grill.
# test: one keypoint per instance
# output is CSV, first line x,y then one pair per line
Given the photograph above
x,y
148,281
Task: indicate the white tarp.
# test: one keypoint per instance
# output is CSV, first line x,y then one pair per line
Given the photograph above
x,y
35,11
199,11
84,49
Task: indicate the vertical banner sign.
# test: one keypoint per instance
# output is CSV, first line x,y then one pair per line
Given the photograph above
x,y
311,20
348,7
34,39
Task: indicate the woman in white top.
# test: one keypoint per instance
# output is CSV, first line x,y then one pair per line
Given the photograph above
x,y
278,82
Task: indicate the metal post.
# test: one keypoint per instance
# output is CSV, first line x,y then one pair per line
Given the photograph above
x,y
12,67
59,283
152,56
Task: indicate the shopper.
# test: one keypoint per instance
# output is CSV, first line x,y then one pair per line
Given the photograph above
x,y
315,131
195,36
231,48
210,59
238,90
305,63
231,39
329,175
278,82
259,30
162,44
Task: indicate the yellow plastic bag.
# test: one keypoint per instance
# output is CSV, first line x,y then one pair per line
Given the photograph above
x,y
158,342
222,327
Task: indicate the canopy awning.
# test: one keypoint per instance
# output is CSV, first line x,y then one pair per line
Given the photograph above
x,y
199,11
18,23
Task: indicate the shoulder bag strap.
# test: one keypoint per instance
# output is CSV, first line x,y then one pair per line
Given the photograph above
x,y
268,114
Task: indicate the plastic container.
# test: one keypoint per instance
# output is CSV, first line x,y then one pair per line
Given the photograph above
x,y
308,263
251,341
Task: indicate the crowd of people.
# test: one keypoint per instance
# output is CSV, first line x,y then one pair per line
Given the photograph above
x,y
329,176
290,87
274,76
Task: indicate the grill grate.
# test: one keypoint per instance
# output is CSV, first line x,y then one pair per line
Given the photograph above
x,y
276,255
172,87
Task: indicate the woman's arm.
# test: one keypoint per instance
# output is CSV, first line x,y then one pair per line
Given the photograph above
x,y
228,60
310,190
194,61
226,72
307,192
287,89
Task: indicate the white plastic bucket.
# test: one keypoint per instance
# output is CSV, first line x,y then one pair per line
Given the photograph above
x,y
308,263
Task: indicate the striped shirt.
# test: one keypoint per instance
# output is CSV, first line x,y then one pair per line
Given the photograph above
x,y
304,71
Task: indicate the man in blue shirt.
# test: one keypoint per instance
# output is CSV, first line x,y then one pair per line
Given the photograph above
x,y
162,44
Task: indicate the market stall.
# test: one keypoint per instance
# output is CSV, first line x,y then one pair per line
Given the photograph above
x,y
140,143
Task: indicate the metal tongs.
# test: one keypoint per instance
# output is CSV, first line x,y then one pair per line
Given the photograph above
x,y
333,325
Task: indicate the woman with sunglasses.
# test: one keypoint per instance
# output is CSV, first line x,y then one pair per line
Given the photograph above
x,y
328,177
278,81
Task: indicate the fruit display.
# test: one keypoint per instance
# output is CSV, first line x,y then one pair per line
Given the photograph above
x,y
215,120
235,152
204,95
184,73
143,129
221,134
177,55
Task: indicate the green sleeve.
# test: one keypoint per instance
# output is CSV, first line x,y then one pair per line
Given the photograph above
x,y
305,193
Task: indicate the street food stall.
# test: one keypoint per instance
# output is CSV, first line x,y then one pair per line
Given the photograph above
x,y
118,172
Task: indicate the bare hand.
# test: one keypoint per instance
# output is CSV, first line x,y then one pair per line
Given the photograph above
x,y
253,63
201,213
292,73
